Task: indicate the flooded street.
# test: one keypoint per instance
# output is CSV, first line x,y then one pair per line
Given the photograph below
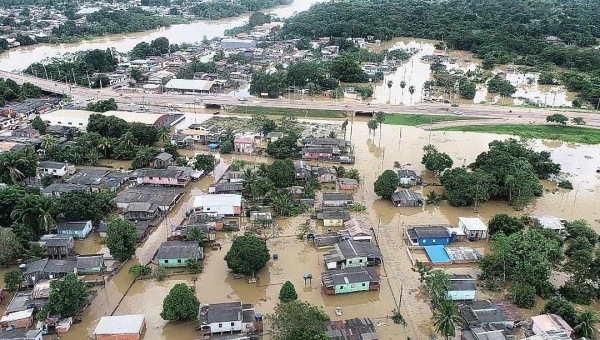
x,y
296,257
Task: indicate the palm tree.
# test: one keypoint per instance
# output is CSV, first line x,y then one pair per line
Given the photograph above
x,y
105,144
128,140
411,89
380,118
92,156
13,162
47,142
163,132
586,324
446,317
263,170
47,210
389,85
402,86
373,125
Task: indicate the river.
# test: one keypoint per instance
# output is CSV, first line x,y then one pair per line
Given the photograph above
x,y
20,58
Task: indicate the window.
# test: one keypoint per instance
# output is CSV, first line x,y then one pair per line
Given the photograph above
x,y
58,123
150,177
360,261
232,324
70,123
364,284
341,287
349,261
80,124
220,325
178,260
352,285
166,261
433,241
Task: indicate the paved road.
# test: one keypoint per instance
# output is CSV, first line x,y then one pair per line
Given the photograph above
x,y
475,110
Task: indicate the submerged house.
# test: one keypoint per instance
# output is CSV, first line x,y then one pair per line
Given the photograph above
x,y
347,184
218,204
473,228
178,253
120,327
227,317
351,329
408,177
349,253
428,235
407,198
335,200
77,229
90,264
57,245
349,280
144,211
47,269
335,218
462,288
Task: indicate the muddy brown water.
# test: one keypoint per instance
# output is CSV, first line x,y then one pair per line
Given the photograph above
x,y
374,153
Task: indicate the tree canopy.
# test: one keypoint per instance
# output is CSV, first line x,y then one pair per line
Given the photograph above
x,y
180,305
205,163
121,239
505,224
282,173
248,254
435,161
66,296
297,320
287,292
386,184
103,106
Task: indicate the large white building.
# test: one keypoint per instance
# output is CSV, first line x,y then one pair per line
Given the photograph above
x,y
80,118
190,85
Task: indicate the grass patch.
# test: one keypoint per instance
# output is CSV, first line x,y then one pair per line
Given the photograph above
x,y
416,119
276,111
562,133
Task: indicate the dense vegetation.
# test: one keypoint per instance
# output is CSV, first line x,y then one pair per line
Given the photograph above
x,y
10,90
498,31
78,67
214,10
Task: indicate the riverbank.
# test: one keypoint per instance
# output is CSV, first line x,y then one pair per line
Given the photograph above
x,y
415,119
572,134
303,113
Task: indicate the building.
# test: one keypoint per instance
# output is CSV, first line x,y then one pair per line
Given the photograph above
x,y
325,142
56,169
274,136
335,200
97,180
79,118
122,327
218,204
326,175
349,280
349,253
244,145
144,211
22,335
549,322
407,198
195,135
162,160
234,44
408,177
428,235
317,152
57,245
356,230
485,332
473,228
553,335
47,269
77,229
18,320
347,184
462,288
190,85
335,218
162,197
57,189
352,329
553,223
26,133
90,264
163,177
226,188
482,313
178,253
228,317
303,170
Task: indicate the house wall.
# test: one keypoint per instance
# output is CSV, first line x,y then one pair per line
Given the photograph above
x,y
159,181
78,233
335,203
352,287
117,336
244,148
355,262
327,178
80,123
55,172
348,187
21,323
428,241
226,327
461,295
172,263
333,223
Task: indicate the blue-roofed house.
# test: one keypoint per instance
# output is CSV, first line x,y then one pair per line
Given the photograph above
x,y
77,229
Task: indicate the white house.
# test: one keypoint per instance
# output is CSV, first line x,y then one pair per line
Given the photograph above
x,y
553,223
227,317
56,169
218,204
473,228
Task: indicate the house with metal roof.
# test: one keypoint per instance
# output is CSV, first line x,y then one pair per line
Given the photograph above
x,y
349,253
336,200
334,218
349,280
407,198
408,177
218,318
77,229
164,177
162,160
163,197
120,327
226,188
462,288
427,235
90,264
56,169
484,332
22,335
347,184
351,329
482,312
550,322
303,170
218,204
144,211
97,180
473,228
57,189
56,245
178,253
47,269
553,223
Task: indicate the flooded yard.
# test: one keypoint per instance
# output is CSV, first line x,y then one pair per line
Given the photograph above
x,y
374,154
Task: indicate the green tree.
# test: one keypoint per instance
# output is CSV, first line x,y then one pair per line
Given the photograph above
x,y
196,234
557,118
467,89
205,163
435,161
136,74
297,320
398,319
140,270
386,184
12,281
121,239
171,149
501,86
66,296
103,106
437,284
372,125
144,157
248,254
287,292
446,318
282,173
38,124
271,84
84,205
562,308
106,126
522,295
581,228
585,324
193,266
226,147
347,69
10,246
9,198
505,224
578,120
38,213
180,305
159,273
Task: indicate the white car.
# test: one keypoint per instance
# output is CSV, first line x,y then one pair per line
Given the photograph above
x,y
458,113
243,99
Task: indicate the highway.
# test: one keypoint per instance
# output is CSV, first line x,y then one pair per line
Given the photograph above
x,y
518,115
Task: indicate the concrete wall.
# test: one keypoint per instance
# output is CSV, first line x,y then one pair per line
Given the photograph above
x,y
333,223
226,327
355,262
429,241
352,287
461,295
171,263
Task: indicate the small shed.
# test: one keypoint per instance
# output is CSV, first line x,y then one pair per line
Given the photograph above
x,y
407,198
122,327
553,223
77,229
20,319
473,227
22,335
408,177
177,253
162,160
57,245
462,288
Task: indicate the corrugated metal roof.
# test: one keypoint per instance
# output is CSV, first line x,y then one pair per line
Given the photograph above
x,y
122,324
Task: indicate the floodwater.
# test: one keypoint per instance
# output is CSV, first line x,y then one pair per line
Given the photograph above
x,y
20,58
374,153
416,72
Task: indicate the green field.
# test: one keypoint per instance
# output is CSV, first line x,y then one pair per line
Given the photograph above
x,y
562,133
416,119
274,111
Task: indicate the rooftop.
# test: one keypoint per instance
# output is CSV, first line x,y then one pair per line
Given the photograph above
x,y
349,275
189,85
226,312
51,165
122,324
164,156
20,335
72,225
406,195
352,329
427,231
178,250
472,223
63,188
91,261
128,116
336,215
337,197
406,173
